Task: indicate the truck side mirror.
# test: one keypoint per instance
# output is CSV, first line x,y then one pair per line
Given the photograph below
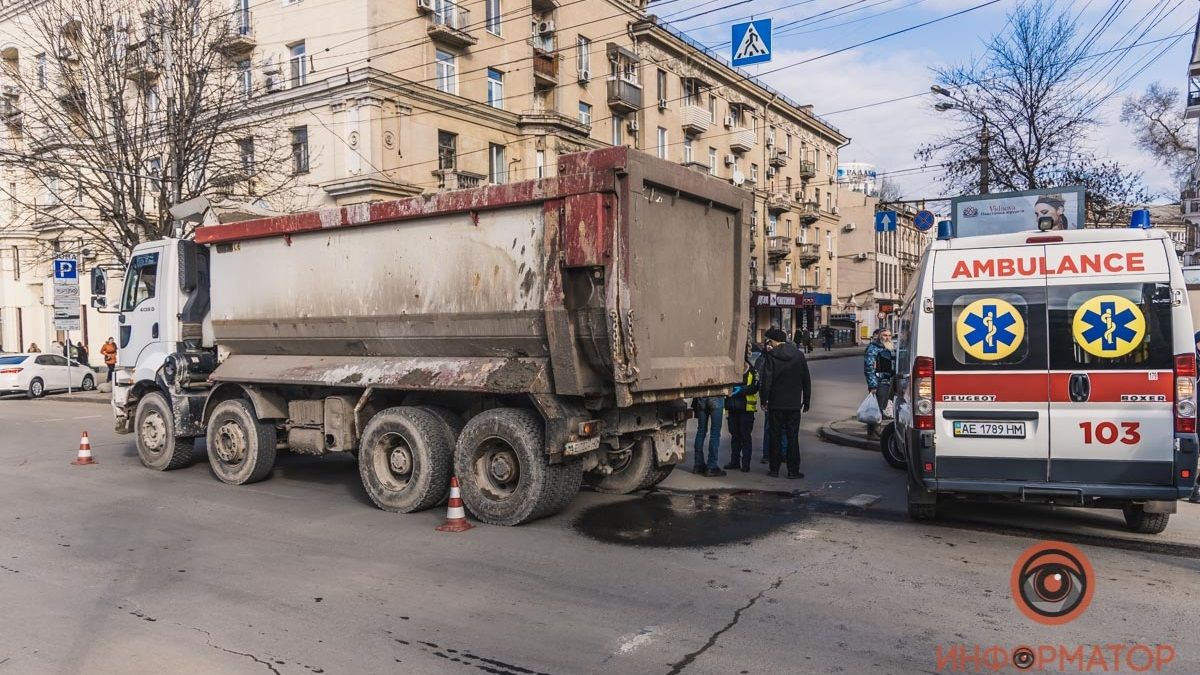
x,y
99,284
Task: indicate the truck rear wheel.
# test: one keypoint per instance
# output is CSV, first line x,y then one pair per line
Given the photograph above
x,y
405,458
504,470
157,445
1138,520
660,474
636,471
241,449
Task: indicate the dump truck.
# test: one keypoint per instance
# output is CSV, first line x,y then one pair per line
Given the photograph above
x,y
524,337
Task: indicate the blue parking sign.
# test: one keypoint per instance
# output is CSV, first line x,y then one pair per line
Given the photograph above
x,y
66,268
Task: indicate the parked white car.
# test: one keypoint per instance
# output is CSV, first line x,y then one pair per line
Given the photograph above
x,y
36,374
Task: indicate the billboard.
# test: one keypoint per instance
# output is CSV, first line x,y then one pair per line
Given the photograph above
x,y
1005,212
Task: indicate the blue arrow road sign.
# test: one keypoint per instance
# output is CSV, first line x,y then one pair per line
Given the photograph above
x,y
751,42
924,220
65,268
885,221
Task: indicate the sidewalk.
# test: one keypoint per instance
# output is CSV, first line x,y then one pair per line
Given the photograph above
x,y
850,433
819,353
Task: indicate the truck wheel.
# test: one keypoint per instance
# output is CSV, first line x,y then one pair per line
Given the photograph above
x,y
447,417
634,473
1138,520
504,470
157,445
889,445
660,474
405,458
241,449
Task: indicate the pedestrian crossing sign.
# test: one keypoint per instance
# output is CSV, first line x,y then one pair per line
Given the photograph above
x,y
751,42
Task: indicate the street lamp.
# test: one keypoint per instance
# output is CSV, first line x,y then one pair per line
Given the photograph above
x,y
984,133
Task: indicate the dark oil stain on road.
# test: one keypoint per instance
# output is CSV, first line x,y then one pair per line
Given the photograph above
x,y
675,519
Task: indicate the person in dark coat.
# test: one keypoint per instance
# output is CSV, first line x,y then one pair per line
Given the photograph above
x,y
827,338
741,406
786,393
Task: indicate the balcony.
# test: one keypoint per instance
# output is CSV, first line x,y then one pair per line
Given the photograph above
x,y
807,254
778,248
807,169
809,211
741,140
10,112
238,39
545,68
779,159
624,96
695,119
779,202
452,179
73,98
140,66
450,24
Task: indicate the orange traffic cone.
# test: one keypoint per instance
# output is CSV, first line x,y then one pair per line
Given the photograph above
x,y
456,516
85,452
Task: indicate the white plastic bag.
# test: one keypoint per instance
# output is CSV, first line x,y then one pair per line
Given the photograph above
x,y
889,412
869,412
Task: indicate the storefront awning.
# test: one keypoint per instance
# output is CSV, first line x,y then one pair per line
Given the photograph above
x,y
774,299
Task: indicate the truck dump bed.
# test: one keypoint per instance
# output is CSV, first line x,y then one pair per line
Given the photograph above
x,y
624,275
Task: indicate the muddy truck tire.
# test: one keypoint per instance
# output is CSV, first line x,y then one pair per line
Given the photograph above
x,y
241,449
405,458
154,428
659,475
504,471
636,472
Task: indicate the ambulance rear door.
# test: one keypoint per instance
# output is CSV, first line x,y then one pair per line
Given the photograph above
x,y
1111,357
991,387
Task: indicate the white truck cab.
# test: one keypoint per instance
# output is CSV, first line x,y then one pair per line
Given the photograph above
x,y
1050,367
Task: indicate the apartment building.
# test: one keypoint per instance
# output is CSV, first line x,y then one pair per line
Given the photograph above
x,y
386,100
876,267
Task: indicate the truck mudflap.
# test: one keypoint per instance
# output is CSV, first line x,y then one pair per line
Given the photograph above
x,y
670,445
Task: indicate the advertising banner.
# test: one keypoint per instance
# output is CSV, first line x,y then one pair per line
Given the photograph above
x,y
1007,212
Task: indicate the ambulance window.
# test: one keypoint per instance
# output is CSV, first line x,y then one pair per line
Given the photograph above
x,y
1111,327
990,329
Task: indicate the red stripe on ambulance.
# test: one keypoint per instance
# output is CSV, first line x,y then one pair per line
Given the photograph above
x,y
991,387
1105,387
1115,387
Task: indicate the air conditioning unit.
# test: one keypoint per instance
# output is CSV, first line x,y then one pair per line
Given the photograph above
x,y
861,256
271,66
274,83
782,152
799,196
545,27
770,142
425,5
770,172
585,76
849,227
730,160
729,121
833,210
634,126
662,104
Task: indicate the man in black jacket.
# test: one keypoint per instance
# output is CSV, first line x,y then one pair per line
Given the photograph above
x,y
786,392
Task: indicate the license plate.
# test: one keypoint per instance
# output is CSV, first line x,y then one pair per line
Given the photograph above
x,y
989,430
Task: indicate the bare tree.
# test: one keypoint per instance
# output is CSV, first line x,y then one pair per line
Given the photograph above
x,y
118,109
1027,86
889,191
1156,119
1112,192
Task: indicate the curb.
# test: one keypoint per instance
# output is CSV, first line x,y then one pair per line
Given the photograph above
x,y
828,433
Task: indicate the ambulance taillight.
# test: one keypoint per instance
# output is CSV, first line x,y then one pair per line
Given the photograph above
x,y
1185,393
923,393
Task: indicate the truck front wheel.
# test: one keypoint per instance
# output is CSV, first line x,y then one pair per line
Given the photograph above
x,y
405,458
157,445
241,449
503,468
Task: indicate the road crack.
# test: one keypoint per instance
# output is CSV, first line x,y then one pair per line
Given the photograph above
x,y
270,666
688,659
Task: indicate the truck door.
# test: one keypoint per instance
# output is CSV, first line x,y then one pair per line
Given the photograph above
x,y
139,319
990,382
1111,368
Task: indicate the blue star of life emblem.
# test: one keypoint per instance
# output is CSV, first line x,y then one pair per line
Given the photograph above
x,y
1109,325
990,328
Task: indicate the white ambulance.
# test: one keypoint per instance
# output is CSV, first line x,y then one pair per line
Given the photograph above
x,y
1049,367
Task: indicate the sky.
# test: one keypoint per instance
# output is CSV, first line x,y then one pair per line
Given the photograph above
x,y
888,134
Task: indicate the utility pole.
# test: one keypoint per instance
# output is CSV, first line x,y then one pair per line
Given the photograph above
x,y
985,162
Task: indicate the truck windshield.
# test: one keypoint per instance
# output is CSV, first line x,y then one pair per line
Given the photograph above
x,y
141,281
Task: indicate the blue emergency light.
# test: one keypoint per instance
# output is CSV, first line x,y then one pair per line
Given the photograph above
x,y
945,229
1140,219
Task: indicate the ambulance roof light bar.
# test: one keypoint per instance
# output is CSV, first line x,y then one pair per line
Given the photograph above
x,y
1140,219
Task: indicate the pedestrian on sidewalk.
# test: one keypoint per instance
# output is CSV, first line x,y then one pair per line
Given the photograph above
x,y
741,406
879,364
786,392
827,338
34,349
766,439
709,413
81,354
109,351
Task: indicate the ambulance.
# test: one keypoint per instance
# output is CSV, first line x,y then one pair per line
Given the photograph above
x,y
1049,367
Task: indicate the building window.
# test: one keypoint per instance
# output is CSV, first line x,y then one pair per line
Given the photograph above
x,y
150,101
662,86
817,197
689,151
153,184
829,164
787,273
662,143
447,150
497,167
829,201
691,91
618,121
447,72
817,277
712,107
712,161
246,152
492,16
245,77
753,173
495,88
299,64
40,70
583,57
539,158
788,140
585,114
300,150
772,224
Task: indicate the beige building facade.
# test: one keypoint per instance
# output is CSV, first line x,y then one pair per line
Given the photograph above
x,y
386,100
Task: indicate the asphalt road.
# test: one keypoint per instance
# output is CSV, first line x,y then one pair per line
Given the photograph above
x,y
116,569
